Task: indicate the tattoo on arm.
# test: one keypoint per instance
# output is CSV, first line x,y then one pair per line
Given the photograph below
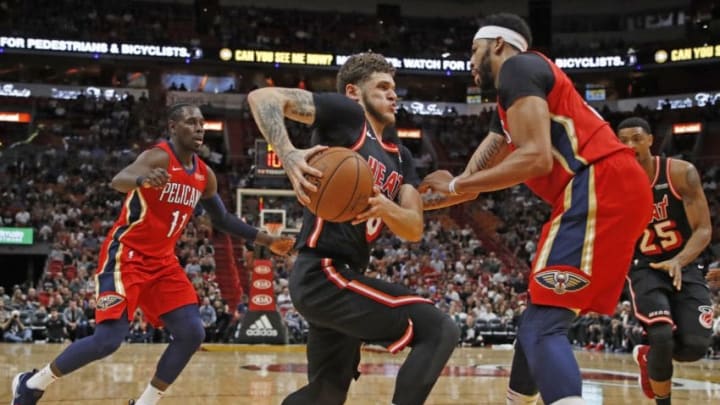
x,y
300,105
271,122
481,161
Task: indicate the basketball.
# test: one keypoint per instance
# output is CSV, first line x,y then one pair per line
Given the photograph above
x,y
345,187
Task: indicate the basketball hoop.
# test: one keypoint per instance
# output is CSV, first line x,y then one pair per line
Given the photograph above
x,y
274,228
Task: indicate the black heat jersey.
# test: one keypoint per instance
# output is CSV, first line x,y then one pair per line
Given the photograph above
x,y
340,121
668,230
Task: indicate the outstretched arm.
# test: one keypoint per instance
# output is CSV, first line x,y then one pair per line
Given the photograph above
x,y
270,106
491,151
229,223
529,122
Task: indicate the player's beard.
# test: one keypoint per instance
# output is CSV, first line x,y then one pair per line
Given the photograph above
x,y
380,117
487,82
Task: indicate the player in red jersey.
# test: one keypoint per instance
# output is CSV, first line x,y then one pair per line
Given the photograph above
x,y
548,138
137,266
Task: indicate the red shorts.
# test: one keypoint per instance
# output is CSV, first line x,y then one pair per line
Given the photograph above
x,y
126,279
586,247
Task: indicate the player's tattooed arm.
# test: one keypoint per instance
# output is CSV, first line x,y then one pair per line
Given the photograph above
x,y
491,150
270,106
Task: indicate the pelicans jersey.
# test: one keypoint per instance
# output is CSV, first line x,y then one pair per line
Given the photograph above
x,y
139,251
586,247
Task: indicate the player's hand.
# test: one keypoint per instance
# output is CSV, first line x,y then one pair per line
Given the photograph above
x,y
298,171
156,178
437,181
279,245
674,270
713,278
378,207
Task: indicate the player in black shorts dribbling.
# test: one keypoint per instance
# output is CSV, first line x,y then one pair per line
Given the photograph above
x,y
327,286
670,295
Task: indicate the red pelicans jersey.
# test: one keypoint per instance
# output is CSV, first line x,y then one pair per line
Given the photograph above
x,y
580,136
152,219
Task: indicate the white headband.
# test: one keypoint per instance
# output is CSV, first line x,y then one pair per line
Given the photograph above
x,y
510,36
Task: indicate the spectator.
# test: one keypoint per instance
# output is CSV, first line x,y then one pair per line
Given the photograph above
x,y
56,332
140,330
14,330
209,318
73,318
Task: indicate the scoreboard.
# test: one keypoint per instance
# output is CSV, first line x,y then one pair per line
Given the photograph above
x,y
267,162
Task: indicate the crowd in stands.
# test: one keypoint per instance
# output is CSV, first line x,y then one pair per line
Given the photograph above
x,y
271,28
62,191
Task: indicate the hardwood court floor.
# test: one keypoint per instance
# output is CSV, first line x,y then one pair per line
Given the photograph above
x,y
263,375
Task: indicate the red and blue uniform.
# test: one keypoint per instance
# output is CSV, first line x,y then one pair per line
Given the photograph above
x,y
137,264
598,192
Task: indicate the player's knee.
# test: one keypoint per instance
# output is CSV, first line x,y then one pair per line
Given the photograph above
x,y
108,346
194,333
660,337
691,347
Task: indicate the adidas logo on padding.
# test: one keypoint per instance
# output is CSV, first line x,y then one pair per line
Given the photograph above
x,y
261,327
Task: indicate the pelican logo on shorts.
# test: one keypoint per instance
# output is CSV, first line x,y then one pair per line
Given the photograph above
x,y
262,299
109,301
263,270
561,282
262,284
706,316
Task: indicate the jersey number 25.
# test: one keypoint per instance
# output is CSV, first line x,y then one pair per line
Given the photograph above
x,y
668,238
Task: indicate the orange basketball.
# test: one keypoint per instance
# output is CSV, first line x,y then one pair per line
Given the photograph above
x,y
345,187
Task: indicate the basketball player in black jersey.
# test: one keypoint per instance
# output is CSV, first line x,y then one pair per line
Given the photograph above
x,y
670,295
327,286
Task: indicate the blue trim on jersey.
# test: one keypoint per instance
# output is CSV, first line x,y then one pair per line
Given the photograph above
x,y
567,247
561,141
106,279
194,159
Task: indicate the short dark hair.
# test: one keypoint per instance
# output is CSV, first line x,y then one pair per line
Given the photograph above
x,y
174,112
633,122
510,21
360,67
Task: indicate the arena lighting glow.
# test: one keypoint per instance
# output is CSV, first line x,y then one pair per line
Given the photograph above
x,y
213,126
11,116
683,128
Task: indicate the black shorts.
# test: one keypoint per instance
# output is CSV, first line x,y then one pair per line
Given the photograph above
x,y
333,296
655,300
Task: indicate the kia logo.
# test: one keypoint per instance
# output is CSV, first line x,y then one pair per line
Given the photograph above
x,y
262,299
262,284
263,270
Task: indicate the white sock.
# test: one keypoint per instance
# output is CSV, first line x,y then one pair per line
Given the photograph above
x,y
42,379
516,398
151,396
569,401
